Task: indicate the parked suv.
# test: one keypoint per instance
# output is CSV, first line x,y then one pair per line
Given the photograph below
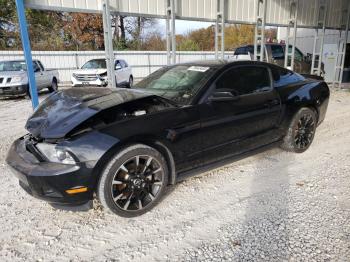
x,y
274,53
94,73
14,80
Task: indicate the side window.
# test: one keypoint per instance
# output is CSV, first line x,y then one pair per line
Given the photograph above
x,y
250,49
245,80
258,52
125,63
240,51
298,56
282,76
118,65
40,65
36,67
277,52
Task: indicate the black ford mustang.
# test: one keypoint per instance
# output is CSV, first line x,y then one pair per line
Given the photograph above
x,y
128,145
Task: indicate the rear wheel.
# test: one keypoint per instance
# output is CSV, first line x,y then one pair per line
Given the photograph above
x,y
131,82
54,86
301,131
133,181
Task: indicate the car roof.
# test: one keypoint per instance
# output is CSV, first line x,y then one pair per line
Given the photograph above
x,y
242,46
17,60
219,63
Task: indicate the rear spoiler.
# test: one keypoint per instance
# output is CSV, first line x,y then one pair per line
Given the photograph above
x,y
316,77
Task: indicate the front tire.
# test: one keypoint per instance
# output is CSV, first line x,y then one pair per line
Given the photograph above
x,y
134,181
301,131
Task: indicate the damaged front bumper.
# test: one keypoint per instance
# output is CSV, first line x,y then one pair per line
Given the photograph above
x,y
49,181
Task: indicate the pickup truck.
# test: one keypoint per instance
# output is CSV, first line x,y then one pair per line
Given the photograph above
x,y
94,73
14,80
274,53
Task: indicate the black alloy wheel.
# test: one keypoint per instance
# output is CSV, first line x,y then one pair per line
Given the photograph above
x,y
137,182
301,131
304,131
133,181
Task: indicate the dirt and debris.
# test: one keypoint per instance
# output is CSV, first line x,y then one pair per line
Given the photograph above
x,y
260,208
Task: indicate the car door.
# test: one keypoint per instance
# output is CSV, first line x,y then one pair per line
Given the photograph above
x,y
125,71
46,78
118,72
245,119
39,76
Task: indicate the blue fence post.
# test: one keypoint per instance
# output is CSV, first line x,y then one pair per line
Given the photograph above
x,y
27,52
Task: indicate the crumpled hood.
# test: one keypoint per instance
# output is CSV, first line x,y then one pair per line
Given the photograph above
x,y
61,112
90,71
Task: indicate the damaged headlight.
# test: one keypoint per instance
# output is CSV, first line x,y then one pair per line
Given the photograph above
x,y
55,154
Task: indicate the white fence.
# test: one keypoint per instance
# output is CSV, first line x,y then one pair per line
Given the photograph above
x,y
142,62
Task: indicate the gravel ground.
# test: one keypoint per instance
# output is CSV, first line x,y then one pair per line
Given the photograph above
x,y
270,207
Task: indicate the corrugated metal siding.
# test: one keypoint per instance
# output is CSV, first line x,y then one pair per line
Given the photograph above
x,y
143,63
242,11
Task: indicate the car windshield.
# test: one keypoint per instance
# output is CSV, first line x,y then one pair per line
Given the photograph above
x,y
178,83
12,66
95,64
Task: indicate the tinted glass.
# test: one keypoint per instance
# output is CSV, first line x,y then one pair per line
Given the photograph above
x,y
298,56
282,76
277,51
36,67
118,64
179,83
41,65
244,50
95,64
241,51
245,80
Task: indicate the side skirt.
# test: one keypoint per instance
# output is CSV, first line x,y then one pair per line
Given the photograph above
x,y
225,161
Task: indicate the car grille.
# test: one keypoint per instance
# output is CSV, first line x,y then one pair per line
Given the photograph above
x,y
4,80
91,77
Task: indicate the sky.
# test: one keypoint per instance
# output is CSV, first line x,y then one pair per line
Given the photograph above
x,y
183,26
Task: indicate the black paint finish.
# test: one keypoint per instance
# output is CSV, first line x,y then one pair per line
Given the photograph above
x,y
93,123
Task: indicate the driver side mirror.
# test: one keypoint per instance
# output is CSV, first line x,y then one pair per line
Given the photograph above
x,y
223,95
117,67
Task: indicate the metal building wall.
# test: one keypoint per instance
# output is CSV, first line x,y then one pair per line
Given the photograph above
x,y
236,11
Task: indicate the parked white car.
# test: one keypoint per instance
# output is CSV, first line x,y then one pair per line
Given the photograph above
x,y
14,80
94,73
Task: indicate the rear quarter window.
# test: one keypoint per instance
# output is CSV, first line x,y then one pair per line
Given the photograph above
x,y
282,76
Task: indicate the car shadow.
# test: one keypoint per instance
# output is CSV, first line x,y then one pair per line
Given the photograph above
x,y
80,208
264,230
